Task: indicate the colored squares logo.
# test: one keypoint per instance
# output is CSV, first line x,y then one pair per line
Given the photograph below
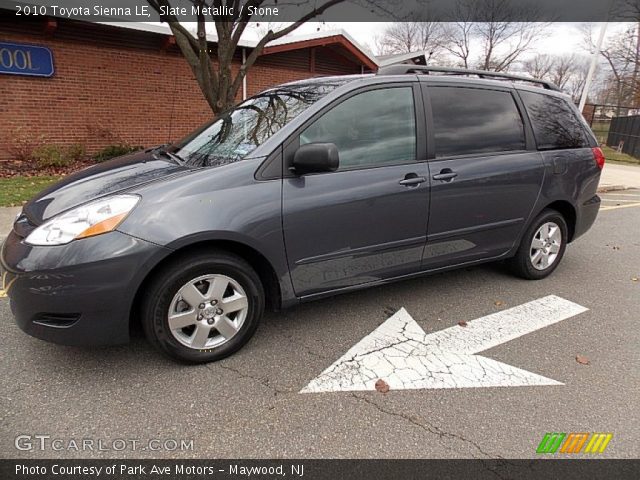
x,y
574,443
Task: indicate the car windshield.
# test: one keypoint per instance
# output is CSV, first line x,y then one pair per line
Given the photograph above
x,y
235,134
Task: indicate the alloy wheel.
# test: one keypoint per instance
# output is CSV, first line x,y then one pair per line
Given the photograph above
x,y
545,246
207,311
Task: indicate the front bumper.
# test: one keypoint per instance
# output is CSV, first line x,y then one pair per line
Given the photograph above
x,y
76,294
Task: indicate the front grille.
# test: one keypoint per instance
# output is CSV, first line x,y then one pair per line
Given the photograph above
x,y
56,320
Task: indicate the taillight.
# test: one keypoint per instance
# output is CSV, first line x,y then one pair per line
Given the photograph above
x,y
598,156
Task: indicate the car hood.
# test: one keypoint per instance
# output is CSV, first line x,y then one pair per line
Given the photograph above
x,y
113,176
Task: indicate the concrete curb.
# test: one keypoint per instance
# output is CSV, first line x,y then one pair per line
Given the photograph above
x,y
7,216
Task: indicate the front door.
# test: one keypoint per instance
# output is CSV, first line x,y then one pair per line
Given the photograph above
x,y
366,221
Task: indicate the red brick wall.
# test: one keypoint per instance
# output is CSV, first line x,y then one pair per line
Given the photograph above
x,y
105,91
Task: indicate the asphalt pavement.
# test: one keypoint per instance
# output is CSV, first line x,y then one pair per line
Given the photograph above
x,y
250,405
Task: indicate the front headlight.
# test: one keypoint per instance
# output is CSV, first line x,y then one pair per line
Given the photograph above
x,y
87,220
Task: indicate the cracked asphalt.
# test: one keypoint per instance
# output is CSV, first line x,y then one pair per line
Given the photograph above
x,y
249,405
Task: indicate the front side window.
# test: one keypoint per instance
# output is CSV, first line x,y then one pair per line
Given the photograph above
x,y
370,129
473,121
554,122
237,133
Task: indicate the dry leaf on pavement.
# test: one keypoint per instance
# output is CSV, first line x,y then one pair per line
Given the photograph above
x,y
382,386
582,360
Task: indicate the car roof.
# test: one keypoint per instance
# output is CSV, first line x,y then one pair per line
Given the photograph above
x,y
509,82
430,70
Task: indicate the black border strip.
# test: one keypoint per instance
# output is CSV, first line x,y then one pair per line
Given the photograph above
x,y
546,468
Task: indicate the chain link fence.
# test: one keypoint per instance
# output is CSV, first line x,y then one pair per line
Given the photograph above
x,y
617,126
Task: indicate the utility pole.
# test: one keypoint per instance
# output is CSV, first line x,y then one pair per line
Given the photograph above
x,y
592,67
636,70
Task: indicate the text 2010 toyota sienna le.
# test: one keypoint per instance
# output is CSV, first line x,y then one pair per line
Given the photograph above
x,y
306,190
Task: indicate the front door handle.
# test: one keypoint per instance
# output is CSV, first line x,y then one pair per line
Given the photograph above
x,y
411,179
445,174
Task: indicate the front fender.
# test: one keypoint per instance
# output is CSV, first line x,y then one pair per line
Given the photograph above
x,y
219,204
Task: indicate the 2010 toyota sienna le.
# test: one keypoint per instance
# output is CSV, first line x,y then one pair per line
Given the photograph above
x,y
306,190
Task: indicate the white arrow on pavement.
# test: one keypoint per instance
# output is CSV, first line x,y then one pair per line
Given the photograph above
x,y
405,357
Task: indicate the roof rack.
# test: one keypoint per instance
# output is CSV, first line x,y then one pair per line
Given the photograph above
x,y
402,69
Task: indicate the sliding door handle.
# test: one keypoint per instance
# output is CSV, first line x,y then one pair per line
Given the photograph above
x,y
445,174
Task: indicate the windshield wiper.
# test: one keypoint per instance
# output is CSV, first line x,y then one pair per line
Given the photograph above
x,y
173,156
156,148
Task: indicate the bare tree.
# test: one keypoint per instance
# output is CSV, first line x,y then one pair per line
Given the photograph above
x,y
564,68
405,37
262,28
622,59
214,74
576,83
501,41
630,10
539,66
504,41
458,35
568,72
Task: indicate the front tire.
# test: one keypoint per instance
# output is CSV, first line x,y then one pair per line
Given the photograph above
x,y
542,246
203,307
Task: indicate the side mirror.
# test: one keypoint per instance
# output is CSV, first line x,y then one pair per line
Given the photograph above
x,y
316,158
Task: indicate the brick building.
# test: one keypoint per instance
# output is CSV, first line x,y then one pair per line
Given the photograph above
x,y
129,83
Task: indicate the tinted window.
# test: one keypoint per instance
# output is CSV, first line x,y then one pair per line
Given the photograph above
x,y
370,129
555,124
235,134
468,120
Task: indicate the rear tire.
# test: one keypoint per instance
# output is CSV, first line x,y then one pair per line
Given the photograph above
x,y
542,246
183,308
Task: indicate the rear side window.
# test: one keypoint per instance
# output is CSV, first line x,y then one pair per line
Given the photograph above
x,y
470,121
370,129
554,122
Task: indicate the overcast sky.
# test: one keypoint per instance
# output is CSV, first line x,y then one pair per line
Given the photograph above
x,y
561,38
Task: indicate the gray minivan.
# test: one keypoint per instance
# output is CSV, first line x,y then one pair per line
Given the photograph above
x,y
306,190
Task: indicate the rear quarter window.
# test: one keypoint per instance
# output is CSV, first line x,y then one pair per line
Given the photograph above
x,y
555,124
